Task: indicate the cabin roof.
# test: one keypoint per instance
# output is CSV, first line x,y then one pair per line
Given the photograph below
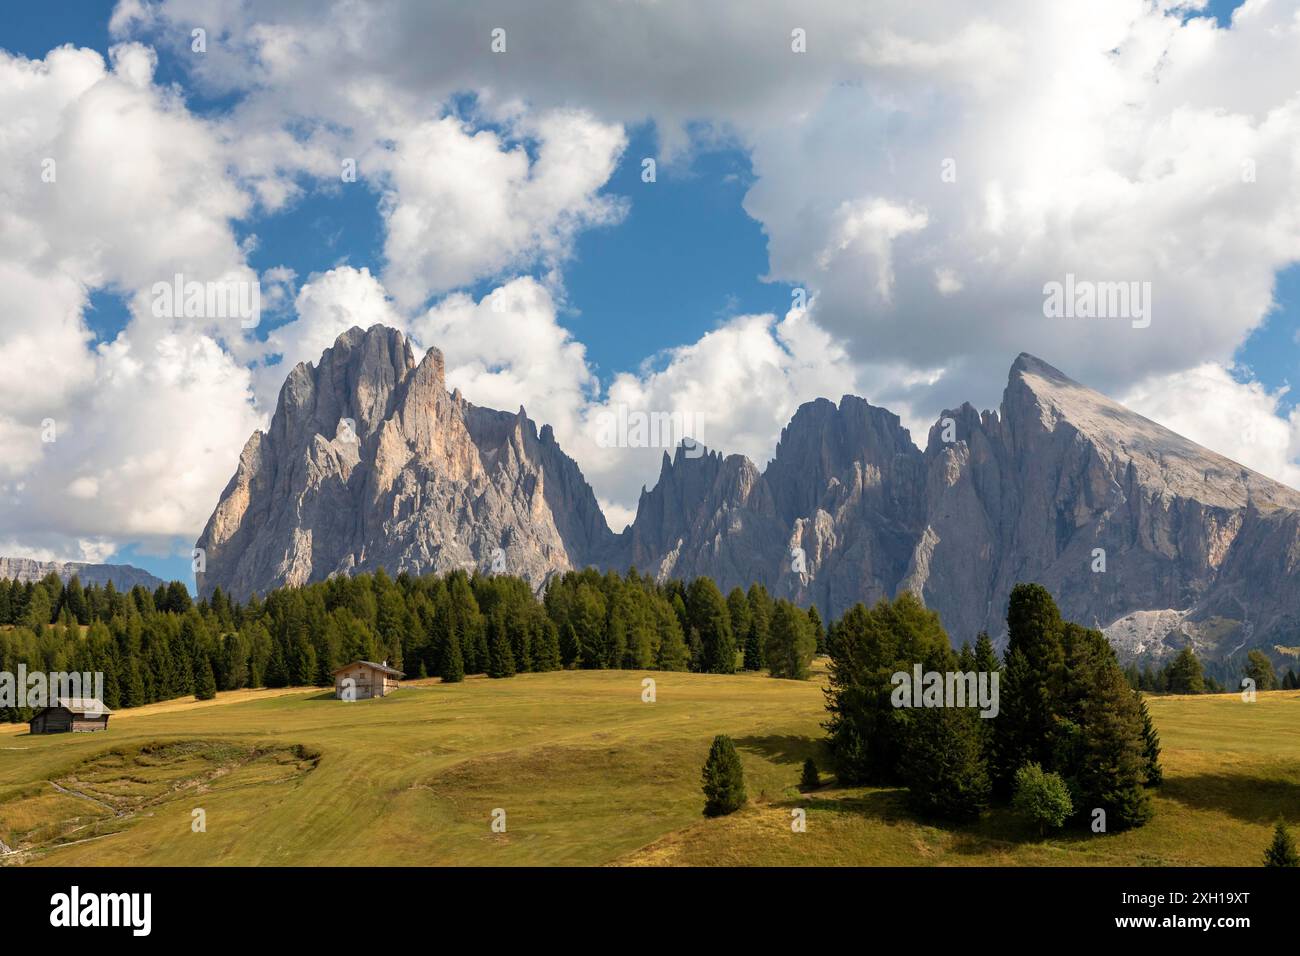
x,y
77,705
379,667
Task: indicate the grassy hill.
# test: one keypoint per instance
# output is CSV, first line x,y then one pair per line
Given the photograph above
x,y
586,773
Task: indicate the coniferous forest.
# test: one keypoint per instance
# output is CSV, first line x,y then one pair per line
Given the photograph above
x,y
160,645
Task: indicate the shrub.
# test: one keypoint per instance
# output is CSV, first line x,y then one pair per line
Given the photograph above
x,y
811,779
1041,798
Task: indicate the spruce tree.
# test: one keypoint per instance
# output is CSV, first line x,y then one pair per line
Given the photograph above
x,y
1150,746
1260,669
206,687
942,762
986,658
501,660
547,650
1113,769
1184,675
1031,685
707,611
738,613
818,629
723,778
790,643
760,620
1281,851
452,664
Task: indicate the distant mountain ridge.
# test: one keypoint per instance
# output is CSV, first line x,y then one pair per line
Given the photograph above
x,y
123,576
370,462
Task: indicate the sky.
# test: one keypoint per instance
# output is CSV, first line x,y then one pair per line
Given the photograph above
x,y
876,213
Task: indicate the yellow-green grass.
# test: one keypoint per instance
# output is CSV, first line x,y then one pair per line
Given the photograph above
x,y
586,772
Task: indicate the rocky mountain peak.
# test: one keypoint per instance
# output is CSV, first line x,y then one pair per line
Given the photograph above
x,y
1130,525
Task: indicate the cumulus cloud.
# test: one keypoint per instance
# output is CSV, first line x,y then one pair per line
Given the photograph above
x,y
115,186
921,172
1241,420
462,204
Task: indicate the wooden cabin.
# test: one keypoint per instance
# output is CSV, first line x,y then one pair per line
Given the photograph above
x,y
77,715
369,679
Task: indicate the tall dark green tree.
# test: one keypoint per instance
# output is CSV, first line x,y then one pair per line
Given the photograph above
x,y
206,685
818,629
451,664
1185,674
723,778
942,762
1282,851
790,643
867,647
501,659
760,620
1260,669
1031,685
1155,775
707,612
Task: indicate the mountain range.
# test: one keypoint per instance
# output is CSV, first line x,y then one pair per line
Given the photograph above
x,y
370,462
123,576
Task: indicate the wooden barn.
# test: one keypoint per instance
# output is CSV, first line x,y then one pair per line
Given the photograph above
x,y
368,679
76,715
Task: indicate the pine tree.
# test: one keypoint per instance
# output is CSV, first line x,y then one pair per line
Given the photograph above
x,y
1031,685
1260,669
1150,746
1281,851
760,621
790,643
810,779
452,665
206,688
942,762
866,648
723,778
818,629
547,655
1113,768
738,613
501,660
1184,675
709,618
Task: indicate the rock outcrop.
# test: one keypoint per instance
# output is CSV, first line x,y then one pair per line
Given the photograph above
x,y
369,462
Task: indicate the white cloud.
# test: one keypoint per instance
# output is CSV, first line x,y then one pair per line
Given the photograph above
x,y
135,190
1241,420
1113,140
462,204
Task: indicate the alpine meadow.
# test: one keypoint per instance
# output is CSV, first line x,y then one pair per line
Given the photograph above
x,y
521,458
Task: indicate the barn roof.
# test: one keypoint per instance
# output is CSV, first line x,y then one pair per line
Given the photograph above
x,y
78,705
379,667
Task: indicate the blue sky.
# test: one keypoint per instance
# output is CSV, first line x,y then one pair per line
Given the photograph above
x,y
685,258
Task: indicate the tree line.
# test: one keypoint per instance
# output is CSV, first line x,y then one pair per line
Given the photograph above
x,y
158,645
1186,674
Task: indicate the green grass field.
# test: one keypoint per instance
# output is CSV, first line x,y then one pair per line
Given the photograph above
x,y
586,774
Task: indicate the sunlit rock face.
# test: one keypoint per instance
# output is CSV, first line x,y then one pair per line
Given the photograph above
x,y
369,462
